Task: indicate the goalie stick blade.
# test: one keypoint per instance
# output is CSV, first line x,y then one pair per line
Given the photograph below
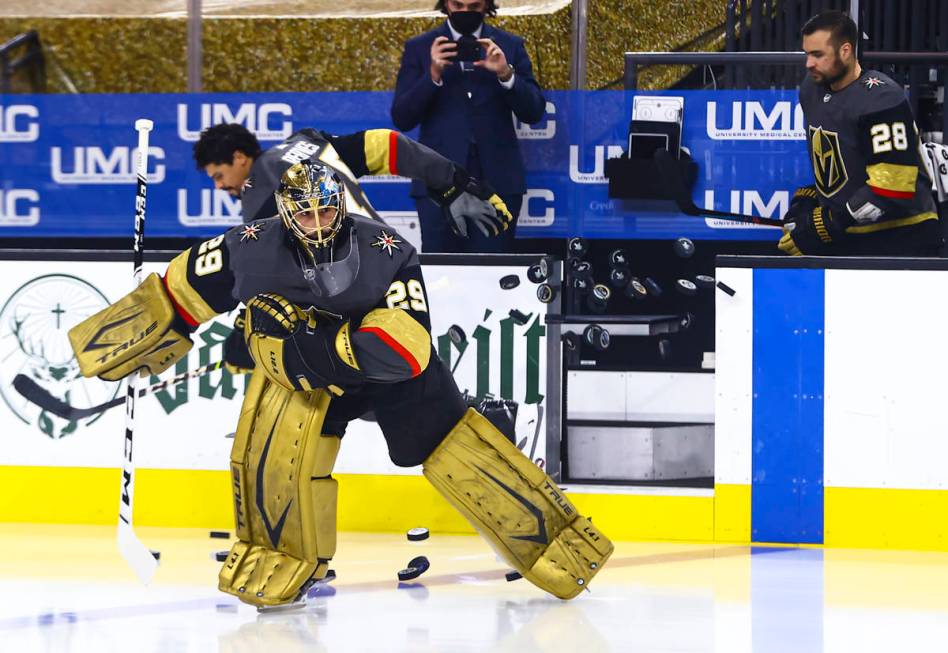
x,y
136,554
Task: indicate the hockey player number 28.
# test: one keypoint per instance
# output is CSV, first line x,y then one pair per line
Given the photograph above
x,y
210,258
885,138
401,295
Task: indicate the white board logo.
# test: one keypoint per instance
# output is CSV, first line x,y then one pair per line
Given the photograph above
x,y
540,131
600,154
751,121
19,207
270,121
748,202
93,165
537,208
34,323
19,123
214,207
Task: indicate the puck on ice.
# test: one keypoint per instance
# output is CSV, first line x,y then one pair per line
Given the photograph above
x,y
416,567
653,288
220,535
221,556
417,534
512,576
156,554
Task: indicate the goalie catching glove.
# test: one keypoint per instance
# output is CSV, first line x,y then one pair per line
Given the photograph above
x,y
470,199
141,331
296,349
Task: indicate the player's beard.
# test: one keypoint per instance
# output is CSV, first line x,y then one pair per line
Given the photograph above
x,y
838,71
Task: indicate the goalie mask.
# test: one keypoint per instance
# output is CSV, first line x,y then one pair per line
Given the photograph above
x,y
312,203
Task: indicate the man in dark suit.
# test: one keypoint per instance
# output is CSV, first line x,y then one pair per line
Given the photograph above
x,y
465,111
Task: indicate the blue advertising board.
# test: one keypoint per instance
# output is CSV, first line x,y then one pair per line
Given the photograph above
x,y
67,161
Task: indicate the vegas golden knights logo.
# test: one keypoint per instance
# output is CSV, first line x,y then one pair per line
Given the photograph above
x,y
828,166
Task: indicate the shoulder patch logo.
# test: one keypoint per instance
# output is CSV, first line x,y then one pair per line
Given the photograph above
x,y
829,170
872,82
387,243
250,232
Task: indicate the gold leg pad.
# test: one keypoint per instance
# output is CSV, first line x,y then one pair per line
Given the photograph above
x,y
516,507
262,576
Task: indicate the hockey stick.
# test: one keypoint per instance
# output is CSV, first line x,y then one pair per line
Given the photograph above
x,y
139,558
38,395
675,184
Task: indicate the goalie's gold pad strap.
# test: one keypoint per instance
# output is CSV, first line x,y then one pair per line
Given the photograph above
x,y
284,497
134,332
517,507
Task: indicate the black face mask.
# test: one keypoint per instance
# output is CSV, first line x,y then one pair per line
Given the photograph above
x,y
466,22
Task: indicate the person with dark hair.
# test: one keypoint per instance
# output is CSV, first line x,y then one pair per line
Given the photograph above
x,y
232,157
463,82
872,195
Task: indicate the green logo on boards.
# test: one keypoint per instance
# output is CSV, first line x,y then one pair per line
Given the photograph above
x,y
34,323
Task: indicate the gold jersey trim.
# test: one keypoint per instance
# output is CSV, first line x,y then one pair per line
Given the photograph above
x,y
892,224
183,293
892,176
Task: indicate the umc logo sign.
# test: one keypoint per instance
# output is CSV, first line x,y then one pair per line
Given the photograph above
x,y
215,208
94,165
270,121
19,207
18,123
751,121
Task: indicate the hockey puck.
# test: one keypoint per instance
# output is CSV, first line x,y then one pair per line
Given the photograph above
x,y
686,287
509,282
156,554
619,277
704,281
416,567
518,317
576,247
220,535
417,534
220,556
535,273
511,576
598,299
619,258
635,289
582,285
653,288
684,247
456,334
546,293
582,268
597,337
570,341
726,288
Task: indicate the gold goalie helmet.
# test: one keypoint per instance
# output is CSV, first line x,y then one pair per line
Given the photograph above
x,y
312,202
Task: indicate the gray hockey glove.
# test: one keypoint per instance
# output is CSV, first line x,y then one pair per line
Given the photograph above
x,y
472,200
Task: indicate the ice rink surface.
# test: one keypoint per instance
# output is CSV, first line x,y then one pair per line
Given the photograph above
x,y
66,590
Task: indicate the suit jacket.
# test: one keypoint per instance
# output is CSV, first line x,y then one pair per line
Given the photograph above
x,y
451,119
